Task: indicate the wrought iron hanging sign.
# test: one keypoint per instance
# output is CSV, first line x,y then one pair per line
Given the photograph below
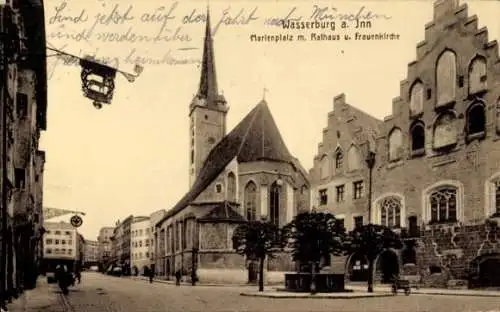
x,y
98,81
76,221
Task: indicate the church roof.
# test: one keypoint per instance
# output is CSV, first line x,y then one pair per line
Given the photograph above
x,y
255,138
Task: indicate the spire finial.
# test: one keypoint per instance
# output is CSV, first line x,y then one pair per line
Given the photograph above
x,y
264,91
208,81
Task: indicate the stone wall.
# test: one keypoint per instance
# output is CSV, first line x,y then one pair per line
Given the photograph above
x,y
452,250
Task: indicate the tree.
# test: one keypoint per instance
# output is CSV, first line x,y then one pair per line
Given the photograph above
x,y
370,240
313,236
256,240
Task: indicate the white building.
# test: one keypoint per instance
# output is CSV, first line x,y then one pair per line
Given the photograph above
x,y
91,253
60,241
140,242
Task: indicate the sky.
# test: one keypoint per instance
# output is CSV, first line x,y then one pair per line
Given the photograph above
x,y
131,157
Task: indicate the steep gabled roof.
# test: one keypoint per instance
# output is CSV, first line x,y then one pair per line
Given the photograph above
x,y
362,126
255,138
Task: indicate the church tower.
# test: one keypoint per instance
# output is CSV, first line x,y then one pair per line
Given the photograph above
x,y
207,112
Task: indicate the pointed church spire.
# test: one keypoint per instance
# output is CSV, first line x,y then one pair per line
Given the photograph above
x,y
208,81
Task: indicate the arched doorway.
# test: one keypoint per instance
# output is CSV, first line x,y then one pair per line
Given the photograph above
x,y
357,268
487,271
386,266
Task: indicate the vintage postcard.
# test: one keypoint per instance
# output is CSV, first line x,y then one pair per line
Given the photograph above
x,y
250,155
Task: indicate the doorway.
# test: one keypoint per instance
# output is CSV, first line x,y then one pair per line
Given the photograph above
x,y
387,266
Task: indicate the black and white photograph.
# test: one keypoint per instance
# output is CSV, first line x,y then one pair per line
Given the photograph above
x,y
260,156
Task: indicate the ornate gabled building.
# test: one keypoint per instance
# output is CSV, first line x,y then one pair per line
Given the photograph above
x,y
234,177
437,177
340,174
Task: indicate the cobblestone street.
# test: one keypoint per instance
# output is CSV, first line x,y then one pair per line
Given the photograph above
x,y
105,293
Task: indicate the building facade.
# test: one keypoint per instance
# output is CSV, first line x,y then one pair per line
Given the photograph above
x,y
236,176
436,177
23,116
104,247
61,241
91,254
153,219
340,175
140,244
120,244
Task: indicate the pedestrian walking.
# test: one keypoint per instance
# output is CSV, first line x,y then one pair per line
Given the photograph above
x,y
178,277
151,274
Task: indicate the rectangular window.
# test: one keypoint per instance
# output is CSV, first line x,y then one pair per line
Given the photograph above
x,y
358,222
20,176
323,197
48,241
340,193
63,242
358,189
57,242
22,105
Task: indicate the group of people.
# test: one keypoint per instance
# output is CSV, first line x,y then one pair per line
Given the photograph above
x,y
66,278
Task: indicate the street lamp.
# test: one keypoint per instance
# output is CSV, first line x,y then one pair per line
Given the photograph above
x,y
370,161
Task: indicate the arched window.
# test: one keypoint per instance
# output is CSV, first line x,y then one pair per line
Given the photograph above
x,y
443,204
353,159
323,167
417,98
231,187
476,119
492,205
390,212
477,75
339,159
251,201
395,144
446,78
417,132
274,203
445,130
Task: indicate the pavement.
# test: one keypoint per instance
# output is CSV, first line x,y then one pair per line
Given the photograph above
x,y
358,287
45,297
99,292
289,295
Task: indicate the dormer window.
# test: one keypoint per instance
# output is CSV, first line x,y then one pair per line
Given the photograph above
x,y
477,75
446,78
476,121
395,144
416,98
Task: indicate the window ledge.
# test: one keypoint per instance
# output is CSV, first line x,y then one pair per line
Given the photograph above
x,y
476,136
415,115
395,163
418,152
444,105
445,148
